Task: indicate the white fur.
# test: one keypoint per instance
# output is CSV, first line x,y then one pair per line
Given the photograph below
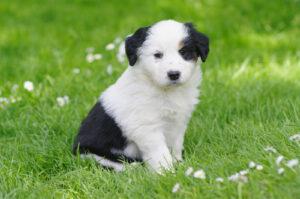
x,y
152,112
104,162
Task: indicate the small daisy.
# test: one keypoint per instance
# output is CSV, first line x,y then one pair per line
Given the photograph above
x,y
4,100
19,99
270,149
109,69
199,174
97,56
280,170
15,87
110,46
259,167
189,171
244,172
234,177
238,178
279,159
175,188
28,85
90,58
12,100
60,101
219,179
66,99
129,180
76,70
90,50
252,164
292,163
295,137
121,53
118,40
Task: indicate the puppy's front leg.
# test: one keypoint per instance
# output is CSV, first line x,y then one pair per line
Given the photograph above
x,y
177,147
175,141
154,150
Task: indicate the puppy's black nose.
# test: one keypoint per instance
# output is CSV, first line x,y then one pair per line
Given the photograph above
x,y
173,75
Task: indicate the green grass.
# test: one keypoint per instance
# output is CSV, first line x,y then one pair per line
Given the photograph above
x,y
250,97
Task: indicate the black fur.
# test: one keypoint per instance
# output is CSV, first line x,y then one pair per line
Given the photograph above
x,y
133,42
196,42
98,134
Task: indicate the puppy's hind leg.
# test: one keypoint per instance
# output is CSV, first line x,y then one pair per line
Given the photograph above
x,y
118,167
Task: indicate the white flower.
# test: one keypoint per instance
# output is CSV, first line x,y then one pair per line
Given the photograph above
x,y
259,167
66,99
19,98
234,177
279,159
219,179
109,69
76,70
129,180
89,50
199,174
118,40
97,56
244,172
110,46
12,100
270,149
295,137
28,85
175,188
252,164
237,177
90,58
189,171
121,52
60,101
280,170
15,87
292,163
4,100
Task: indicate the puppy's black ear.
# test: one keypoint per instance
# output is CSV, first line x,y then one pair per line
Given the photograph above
x,y
200,40
133,42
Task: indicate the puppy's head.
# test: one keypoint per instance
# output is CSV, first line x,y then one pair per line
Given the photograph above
x,y
167,51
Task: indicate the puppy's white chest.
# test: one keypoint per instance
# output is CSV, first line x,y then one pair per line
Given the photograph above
x,y
169,113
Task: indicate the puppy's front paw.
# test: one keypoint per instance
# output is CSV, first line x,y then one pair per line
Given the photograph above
x,y
162,164
162,170
166,166
178,158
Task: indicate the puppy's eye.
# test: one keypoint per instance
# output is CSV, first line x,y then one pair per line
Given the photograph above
x,y
182,51
158,55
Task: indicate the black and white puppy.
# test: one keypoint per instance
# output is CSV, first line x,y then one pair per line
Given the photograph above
x,y
144,115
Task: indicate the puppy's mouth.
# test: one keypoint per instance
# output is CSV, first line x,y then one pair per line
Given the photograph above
x,y
174,82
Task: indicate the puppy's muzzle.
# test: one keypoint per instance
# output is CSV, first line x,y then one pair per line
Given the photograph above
x,y
174,75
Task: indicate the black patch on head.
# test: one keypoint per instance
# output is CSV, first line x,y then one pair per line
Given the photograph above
x,y
133,42
195,45
98,134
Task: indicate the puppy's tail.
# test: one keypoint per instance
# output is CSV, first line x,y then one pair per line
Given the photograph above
x,y
106,163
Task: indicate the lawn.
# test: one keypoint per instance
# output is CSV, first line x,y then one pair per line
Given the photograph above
x,y
250,97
